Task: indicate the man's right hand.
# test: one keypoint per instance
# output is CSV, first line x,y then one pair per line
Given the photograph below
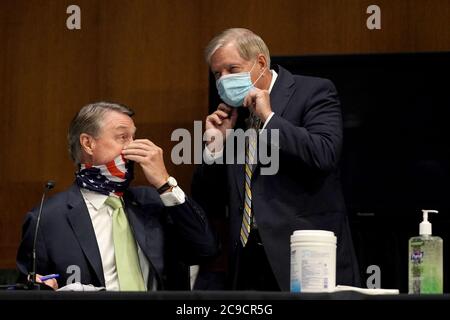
x,y
52,283
217,123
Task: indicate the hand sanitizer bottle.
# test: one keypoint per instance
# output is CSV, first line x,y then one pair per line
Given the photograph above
x,y
425,260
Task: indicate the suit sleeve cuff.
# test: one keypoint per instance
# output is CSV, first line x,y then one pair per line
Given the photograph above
x,y
267,120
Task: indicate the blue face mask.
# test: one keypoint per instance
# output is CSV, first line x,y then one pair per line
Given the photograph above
x,y
234,87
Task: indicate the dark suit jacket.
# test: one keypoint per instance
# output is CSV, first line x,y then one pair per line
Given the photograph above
x,y
306,191
66,237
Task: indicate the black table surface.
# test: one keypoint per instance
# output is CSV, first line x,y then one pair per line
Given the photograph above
x,y
208,295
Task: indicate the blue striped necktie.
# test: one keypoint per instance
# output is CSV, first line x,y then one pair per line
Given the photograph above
x,y
250,163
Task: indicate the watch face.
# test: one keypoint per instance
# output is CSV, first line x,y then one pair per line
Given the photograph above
x,y
172,182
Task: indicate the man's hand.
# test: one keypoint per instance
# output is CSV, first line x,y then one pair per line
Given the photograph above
x,y
150,158
52,283
258,101
217,123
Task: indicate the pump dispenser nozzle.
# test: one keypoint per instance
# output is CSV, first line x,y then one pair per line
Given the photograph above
x,y
425,225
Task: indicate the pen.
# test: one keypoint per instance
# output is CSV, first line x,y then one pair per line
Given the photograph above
x,y
48,277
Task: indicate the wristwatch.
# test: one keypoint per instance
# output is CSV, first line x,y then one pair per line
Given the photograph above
x,y
171,183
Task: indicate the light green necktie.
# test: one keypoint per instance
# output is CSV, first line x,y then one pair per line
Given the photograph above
x,y
125,248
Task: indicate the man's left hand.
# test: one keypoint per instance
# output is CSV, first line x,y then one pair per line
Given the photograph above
x,y
258,101
150,158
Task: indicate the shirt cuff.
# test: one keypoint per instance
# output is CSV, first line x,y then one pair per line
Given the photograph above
x,y
210,157
174,197
267,120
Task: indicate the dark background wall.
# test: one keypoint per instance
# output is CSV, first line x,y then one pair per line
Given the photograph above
x,y
149,55
395,158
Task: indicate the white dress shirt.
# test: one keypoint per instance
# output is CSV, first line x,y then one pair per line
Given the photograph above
x,y
101,217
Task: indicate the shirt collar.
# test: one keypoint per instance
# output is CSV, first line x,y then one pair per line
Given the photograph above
x,y
274,78
96,199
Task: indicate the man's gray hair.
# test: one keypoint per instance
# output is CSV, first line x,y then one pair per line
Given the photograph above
x,y
248,44
88,120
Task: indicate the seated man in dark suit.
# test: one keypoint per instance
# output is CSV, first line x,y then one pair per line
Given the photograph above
x,y
102,232
303,192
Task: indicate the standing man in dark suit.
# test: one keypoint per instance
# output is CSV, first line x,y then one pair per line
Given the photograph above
x,y
305,193
102,232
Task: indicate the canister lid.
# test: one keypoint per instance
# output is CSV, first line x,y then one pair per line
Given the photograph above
x,y
313,236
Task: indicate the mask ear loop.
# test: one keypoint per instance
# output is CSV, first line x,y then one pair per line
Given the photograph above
x,y
259,76
252,67
250,73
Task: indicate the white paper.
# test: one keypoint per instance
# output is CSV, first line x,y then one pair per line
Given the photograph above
x,y
80,287
366,290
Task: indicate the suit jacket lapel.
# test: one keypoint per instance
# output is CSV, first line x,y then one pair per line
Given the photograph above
x,y
138,227
239,178
80,221
282,91
139,222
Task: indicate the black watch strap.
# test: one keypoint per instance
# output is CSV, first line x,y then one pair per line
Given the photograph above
x,y
164,188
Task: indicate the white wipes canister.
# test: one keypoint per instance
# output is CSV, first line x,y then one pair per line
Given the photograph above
x,y
313,261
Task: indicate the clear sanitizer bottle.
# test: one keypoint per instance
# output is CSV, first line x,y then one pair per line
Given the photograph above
x,y
425,260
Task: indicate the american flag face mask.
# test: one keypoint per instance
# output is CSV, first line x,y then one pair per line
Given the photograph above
x,y
113,177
